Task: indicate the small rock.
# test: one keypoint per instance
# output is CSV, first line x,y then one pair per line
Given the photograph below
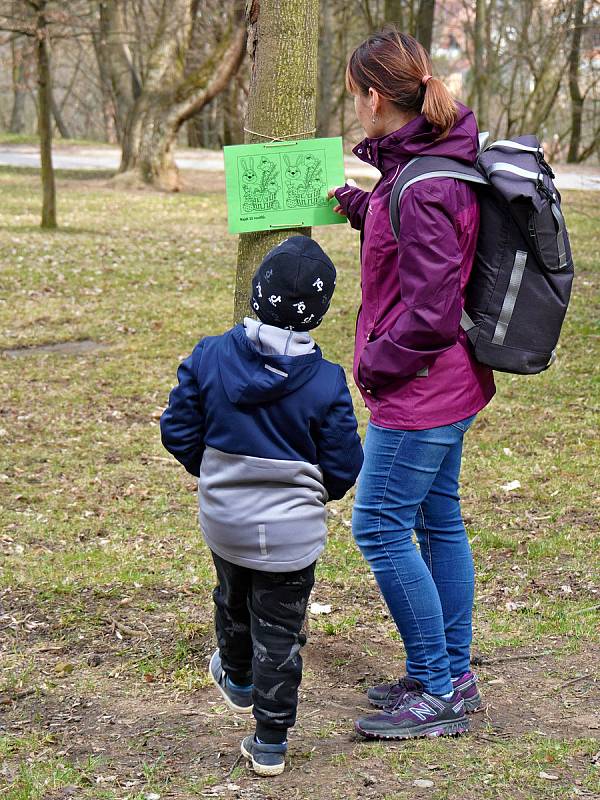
x,y
152,796
94,660
423,783
511,486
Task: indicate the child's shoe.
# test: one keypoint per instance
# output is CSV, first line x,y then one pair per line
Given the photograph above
x,y
417,714
239,700
267,759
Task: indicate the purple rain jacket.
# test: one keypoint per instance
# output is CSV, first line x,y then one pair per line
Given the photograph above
x,y
412,361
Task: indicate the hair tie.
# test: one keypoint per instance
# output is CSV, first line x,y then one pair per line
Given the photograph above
x,y
425,78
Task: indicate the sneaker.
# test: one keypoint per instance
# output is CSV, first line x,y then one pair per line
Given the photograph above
x,y
267,759
467,686
417,714
239,700
389,694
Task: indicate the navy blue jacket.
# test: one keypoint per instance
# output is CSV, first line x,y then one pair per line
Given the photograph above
x,y
271,437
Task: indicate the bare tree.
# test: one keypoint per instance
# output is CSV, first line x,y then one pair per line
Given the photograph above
x,y
18,55
170,95
424,26
44,113
326,52
574,89
118,74
283,45
30,19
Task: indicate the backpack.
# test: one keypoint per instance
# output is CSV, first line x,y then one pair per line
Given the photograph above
x,y
519,288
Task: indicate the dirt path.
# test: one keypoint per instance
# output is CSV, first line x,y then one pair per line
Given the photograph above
x,y
568,176
141,734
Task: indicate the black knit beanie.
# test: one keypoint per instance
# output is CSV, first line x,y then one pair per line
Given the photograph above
x,y
293,286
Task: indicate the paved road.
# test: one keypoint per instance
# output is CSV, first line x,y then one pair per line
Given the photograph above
x,y
568,176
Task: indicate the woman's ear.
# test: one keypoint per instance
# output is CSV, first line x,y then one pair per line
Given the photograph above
x,y
374,100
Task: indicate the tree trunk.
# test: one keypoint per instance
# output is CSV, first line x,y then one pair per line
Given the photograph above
x,y
393,11
58,118
326,49
232,127
116,62
17,117
44,119
574,90
480,78
169,97
283,45
425,17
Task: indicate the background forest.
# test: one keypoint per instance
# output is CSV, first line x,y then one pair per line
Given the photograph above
x,y
147,74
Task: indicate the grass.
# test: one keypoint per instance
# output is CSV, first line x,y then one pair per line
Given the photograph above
x,y
98,522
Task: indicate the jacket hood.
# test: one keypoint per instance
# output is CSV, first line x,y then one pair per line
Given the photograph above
x,y
251,377
419,138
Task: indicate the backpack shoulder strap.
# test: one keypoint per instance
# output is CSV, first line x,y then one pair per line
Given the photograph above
x,y
426,168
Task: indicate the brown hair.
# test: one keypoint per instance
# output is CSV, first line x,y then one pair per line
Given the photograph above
x,y
399,69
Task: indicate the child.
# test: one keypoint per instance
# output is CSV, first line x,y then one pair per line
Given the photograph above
x,y
268,427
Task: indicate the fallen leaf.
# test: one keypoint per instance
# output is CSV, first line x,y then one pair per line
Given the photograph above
x,y
317,608
64,667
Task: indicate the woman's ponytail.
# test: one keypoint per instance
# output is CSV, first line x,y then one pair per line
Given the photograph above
x,y
399,68
439,107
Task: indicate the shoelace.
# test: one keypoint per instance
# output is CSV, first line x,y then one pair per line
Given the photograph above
x,y
412,693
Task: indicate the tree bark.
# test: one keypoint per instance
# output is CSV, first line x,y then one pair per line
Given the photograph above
x,y
44,118
283,45
425,18
17,117
169,97
574,90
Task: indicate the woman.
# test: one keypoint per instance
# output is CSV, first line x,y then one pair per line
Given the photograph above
x,y
419,380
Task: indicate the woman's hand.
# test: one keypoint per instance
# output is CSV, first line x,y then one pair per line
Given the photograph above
x,y
337,209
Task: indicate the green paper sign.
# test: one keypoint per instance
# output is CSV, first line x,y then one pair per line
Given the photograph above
x,y
282,184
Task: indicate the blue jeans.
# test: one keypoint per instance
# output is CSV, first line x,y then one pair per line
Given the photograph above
x,y
409,481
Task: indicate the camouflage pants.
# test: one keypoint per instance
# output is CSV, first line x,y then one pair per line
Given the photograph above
x,y
258,620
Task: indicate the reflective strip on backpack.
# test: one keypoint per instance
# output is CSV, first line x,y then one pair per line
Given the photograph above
x,y
560,239
503,166
466,323
459,176
507,144
510,298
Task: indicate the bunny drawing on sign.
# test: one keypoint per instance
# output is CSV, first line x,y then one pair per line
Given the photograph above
x,y
259,187
293,179
249,183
